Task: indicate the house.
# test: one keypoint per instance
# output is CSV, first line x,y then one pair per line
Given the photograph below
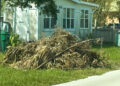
x,y
74,16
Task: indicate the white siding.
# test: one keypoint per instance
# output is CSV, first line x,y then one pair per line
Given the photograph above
x,y
21,23
26,23
69,4
30,24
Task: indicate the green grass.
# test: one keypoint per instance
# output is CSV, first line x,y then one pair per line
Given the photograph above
x,y
111,51
1,56
14,77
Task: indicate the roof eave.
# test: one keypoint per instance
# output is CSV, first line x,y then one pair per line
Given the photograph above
x,y
86,3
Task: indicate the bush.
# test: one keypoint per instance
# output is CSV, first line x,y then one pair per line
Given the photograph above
x,y
14,39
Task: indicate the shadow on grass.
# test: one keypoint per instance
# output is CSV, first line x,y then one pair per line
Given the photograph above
x,y
104,45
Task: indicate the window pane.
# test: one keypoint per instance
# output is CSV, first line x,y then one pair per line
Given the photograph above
x,y
46,22
68,23
72,23
64,23
86,11
82,23
86,23
72,13
53,22
86,16
82,15
64,13
68,12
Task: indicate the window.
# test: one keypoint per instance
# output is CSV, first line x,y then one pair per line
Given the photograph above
x,y
49,22
84,19
68,18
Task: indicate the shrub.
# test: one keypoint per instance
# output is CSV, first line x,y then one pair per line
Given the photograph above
x,y
14,39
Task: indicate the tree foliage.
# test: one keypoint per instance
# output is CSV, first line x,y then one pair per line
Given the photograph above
x,y
47,6
103,11
117,12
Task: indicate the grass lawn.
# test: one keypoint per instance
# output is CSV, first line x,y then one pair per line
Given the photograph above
x,y
111,51
1,56
13,77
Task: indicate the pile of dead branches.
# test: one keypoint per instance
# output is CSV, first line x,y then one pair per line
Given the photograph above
x,y
61,50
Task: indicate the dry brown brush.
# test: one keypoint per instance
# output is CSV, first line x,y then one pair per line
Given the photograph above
x,y
61,50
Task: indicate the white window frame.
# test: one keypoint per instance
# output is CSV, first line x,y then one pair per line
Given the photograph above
x,y
84,18
65,17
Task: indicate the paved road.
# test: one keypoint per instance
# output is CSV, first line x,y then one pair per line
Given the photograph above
x,y
107,79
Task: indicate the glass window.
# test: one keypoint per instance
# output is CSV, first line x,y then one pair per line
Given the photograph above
x,y
84,19
72,23
86,11
72,13
82,23
82,13
68,18
86,23
64,13
68,13
46,23
53,22
49,22
68,23
64,23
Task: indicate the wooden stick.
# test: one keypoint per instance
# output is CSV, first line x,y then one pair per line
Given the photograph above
x,y
59,54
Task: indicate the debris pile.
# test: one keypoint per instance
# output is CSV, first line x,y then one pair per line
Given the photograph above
x,y
61,50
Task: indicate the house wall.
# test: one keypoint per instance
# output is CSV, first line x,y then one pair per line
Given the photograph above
x,y
26,23
82,32
21,23
33,24
29,24
8,15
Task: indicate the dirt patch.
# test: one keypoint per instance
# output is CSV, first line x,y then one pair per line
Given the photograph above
x,y
61,50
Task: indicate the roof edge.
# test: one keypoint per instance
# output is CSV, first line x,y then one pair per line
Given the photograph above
x,y
86,3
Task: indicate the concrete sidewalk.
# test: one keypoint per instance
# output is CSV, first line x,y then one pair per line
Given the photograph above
x,y
107,79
